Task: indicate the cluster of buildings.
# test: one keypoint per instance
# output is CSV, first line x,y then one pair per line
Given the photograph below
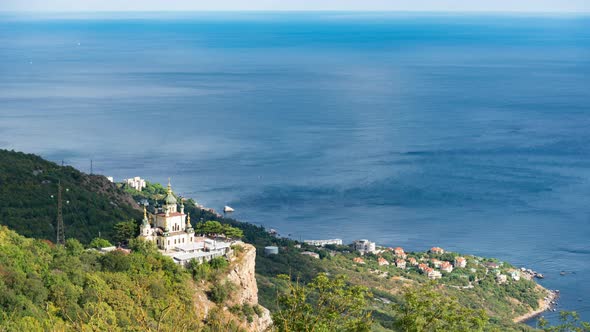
x,y
323,243
169,227
432,267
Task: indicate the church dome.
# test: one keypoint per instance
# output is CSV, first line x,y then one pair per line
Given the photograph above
x,y
170,199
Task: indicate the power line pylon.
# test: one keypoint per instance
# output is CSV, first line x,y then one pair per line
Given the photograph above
x,y
61,237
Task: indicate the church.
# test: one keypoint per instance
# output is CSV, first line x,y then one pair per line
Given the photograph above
x,y
170,227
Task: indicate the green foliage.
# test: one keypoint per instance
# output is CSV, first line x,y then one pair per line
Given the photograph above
x,y
98,243
324,304
218,263
125,230
213,228
199,271
569,322
220,292
116,261
28,199
425,308
54,288
74,247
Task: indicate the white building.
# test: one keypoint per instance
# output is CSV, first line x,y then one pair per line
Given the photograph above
x,y
111,179
136,183
364,246
168,228
171,230
311,254
321,243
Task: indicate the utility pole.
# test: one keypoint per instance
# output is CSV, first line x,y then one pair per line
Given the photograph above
x,y
61,238
91,167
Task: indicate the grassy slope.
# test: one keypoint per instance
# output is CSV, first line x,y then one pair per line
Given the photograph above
x,y
27,207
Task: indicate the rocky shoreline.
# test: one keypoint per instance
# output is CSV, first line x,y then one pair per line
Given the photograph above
x,y
544,304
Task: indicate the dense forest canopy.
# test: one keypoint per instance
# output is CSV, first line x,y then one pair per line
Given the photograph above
x,y
28,199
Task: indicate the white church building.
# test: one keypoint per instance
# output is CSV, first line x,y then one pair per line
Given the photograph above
x,y
171,230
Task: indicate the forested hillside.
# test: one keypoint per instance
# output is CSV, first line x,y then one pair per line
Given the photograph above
x,y
55,288
28,199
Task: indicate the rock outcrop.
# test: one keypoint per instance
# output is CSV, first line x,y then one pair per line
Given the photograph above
x,y
243,276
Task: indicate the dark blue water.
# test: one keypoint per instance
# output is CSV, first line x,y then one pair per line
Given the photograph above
x,y
467,132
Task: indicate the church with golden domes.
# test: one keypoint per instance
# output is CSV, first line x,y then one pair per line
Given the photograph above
x,y
169,227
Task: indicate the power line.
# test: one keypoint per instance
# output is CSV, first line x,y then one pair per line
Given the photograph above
x,y
61,238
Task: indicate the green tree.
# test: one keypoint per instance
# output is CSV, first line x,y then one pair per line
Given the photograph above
x,y
426,309
116,261
210,228
324,304
125,230
74,247
232,232
569,322
98,243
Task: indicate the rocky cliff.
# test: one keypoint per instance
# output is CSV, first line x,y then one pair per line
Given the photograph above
x,y
241,311
243,276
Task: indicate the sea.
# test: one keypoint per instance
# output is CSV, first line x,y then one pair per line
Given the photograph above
x,y
466,131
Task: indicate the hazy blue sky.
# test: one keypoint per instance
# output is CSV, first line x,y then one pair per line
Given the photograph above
x,y
403,5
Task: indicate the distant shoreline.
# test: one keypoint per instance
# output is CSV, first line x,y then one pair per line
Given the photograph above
x,y
544,305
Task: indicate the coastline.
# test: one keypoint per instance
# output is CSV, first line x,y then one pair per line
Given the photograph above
x,y
544,305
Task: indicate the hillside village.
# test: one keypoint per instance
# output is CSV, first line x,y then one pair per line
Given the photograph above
x,y
435,263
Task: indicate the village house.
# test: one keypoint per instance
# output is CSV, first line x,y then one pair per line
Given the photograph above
x,y
436,263
437,250
413,261
382,261
446,267
358,260
492,265
432,273
460,262
399,252
311,254
501,278
364,246
400,263
422,267
514,274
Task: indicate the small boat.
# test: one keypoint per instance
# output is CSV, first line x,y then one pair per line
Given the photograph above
x,y
228,209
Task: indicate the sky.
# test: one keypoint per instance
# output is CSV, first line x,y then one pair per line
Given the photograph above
x,y
545,6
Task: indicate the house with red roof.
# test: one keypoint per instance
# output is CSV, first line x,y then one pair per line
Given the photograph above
x,y
400,263
446,267
437,250
382,261
432,273
399,252
460,262
436,262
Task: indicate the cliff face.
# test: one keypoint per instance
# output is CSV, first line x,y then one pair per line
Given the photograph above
x,y
244,293
243,276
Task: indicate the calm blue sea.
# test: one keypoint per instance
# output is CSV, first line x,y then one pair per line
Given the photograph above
x,y
467,132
